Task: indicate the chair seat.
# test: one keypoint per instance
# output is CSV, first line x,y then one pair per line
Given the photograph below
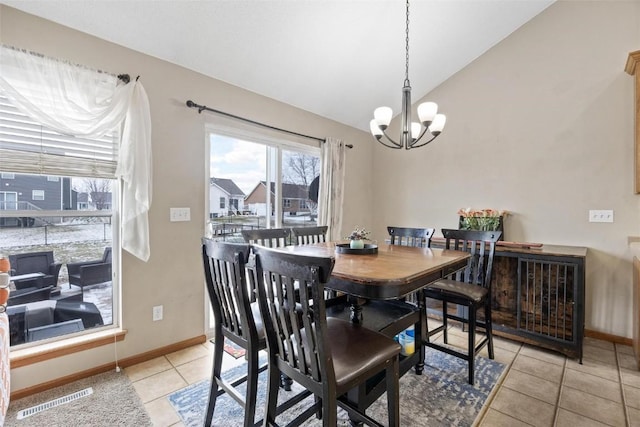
x,y
355,350
454,288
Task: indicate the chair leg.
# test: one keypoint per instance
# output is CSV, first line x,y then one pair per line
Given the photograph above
x,y
445,329
218,349
488,327
393,392
419,332
472,343
273,385
252,388
330,410
285,382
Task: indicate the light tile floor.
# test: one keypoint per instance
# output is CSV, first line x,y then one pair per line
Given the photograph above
x,y
540,387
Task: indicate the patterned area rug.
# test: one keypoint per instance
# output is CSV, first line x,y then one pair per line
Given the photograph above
x,y
441,396
233,349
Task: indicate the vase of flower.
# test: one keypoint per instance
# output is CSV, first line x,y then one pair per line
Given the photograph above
x,y
356,244
357,238
482,219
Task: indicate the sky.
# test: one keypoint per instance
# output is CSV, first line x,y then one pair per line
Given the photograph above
x,y
241,161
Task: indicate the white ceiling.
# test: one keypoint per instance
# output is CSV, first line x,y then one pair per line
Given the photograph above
x,y
337,58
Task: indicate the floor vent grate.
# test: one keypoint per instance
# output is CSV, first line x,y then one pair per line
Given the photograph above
x,y
53,403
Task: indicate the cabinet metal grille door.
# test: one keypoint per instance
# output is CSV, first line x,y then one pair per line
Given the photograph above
x,y
546,300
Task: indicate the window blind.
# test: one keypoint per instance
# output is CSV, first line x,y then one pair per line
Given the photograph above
x,y
28,147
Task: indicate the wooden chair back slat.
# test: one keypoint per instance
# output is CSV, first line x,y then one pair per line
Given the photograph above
x,y
295,320
417,237
481,245
268,237
309,235
226,279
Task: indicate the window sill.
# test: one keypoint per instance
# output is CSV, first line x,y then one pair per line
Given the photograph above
x,y
42,352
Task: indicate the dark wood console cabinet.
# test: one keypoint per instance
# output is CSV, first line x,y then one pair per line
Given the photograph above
x,y
538,296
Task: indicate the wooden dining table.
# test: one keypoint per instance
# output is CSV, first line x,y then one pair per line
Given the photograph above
x,y
392,273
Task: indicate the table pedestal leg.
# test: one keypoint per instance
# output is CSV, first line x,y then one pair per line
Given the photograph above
x,y
420,332
356,311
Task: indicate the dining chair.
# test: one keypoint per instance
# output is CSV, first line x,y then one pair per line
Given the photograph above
x,y
309,235
325,355
237,318
469,288
269,237
417,237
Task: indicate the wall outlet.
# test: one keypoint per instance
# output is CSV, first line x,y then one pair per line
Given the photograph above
x,y
601,216
179,214
157,313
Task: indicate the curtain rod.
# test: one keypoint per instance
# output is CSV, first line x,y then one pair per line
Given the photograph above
x,y
65,61
202,108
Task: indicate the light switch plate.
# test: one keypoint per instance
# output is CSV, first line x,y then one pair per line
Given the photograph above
x,y
179,214
601,216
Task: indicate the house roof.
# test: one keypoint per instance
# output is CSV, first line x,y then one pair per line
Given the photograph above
x,y
228,186
291,191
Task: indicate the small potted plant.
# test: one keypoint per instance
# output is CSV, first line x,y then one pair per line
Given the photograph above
x,y
357,238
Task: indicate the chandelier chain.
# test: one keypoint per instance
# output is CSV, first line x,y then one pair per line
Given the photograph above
x,y
411,133
406,71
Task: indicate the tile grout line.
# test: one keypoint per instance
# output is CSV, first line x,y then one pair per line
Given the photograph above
x,y
557,408
487,405
627,418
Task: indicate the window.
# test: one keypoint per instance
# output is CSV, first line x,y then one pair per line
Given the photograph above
x,y
51,171
8,200
302,204
222,200
263,174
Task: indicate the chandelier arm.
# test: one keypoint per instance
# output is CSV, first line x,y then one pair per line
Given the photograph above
x,y
424,143
395,144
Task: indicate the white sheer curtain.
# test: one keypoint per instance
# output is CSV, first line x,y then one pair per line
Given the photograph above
x,y
74,100
331,192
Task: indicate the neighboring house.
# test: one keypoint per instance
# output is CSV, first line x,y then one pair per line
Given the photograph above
x,y
295,198
83,201
34,192
225,198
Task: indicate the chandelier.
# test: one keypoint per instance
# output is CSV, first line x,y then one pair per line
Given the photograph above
x,y
412,132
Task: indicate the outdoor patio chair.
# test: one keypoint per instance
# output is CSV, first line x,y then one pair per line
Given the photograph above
x,y
90,272
35,262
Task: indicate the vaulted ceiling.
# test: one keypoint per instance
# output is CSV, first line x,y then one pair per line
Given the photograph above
x,y
339,59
